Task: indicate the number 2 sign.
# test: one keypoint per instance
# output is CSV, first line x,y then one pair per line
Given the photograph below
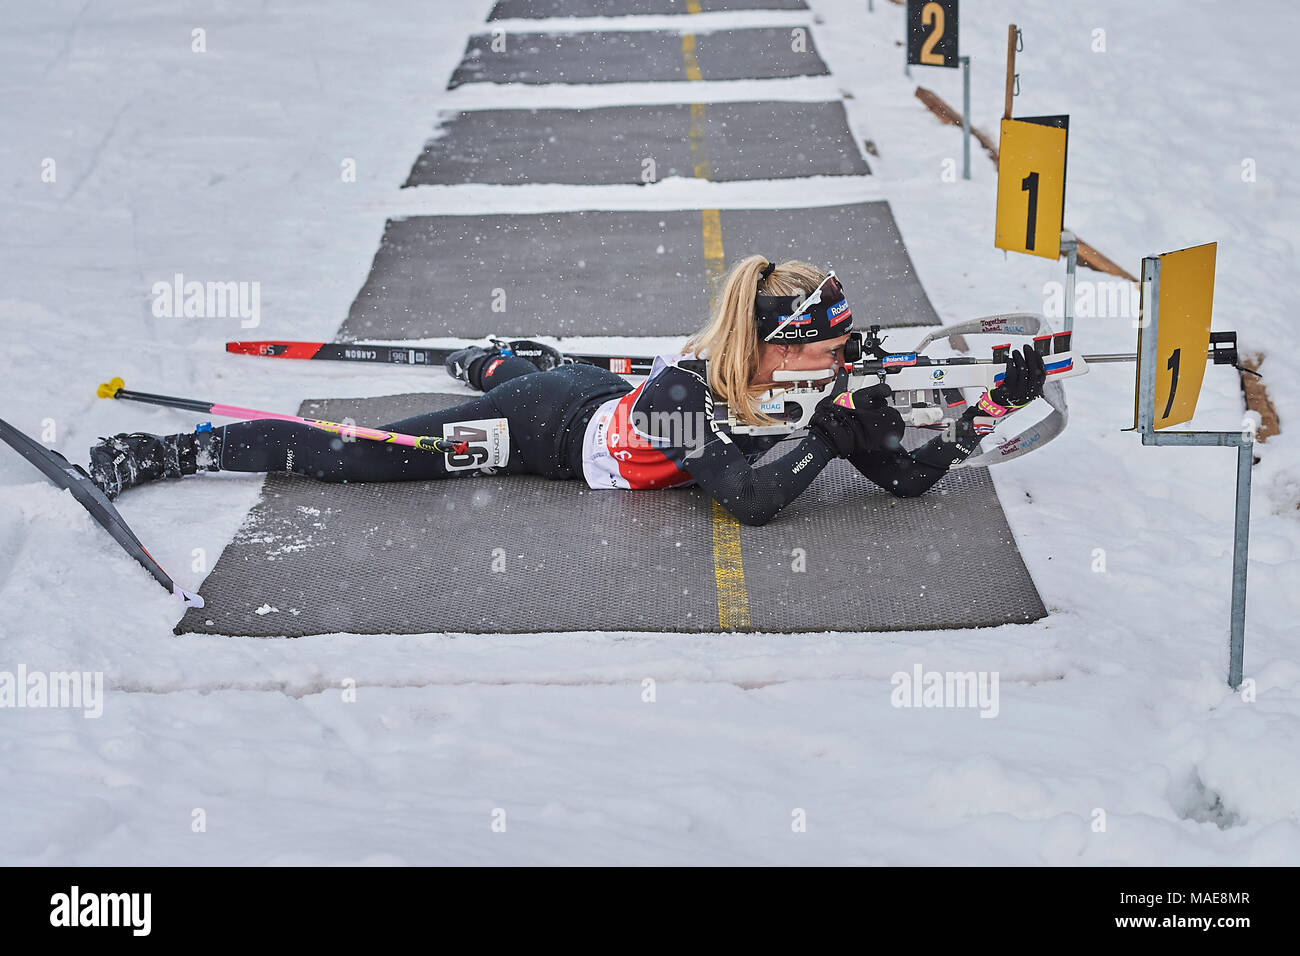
x,y
932,32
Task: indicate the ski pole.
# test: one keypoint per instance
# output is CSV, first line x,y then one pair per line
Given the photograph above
x,y
115,388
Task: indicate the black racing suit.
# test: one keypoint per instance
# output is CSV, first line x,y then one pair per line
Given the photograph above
x,y
548,413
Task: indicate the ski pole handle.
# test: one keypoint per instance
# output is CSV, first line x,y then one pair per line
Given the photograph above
x,y
440,446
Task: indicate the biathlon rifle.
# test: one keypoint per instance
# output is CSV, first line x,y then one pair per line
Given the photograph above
x,y
915,377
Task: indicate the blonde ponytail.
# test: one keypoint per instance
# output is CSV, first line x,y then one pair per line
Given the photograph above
x,y
730,340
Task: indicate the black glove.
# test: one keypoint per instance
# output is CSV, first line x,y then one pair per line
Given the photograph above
x,y
1023,381
881,421
851,422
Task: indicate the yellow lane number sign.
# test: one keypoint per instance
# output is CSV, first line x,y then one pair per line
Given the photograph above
x,y
1184,299
1031,185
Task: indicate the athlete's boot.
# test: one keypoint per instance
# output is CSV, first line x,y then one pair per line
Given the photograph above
x,y
543,356
470,365
460,364
126,460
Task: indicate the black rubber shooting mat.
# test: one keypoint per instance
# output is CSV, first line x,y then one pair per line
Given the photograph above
x,y
610,144
615,273
637,56
536,9
413,558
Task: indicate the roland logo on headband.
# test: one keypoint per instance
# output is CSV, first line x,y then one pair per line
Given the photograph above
x,y
824,314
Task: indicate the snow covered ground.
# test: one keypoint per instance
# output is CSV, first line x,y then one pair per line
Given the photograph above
x,y
226,166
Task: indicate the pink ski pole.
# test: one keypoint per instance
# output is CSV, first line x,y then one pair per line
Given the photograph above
x,y
115,388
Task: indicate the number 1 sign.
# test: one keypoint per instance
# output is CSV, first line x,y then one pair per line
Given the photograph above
x,y
1031,185
1180,287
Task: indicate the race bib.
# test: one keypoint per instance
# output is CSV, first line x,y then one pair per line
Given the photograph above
x,y
488,441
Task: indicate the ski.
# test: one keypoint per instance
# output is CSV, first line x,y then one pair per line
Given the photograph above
x,y
408,355
67,475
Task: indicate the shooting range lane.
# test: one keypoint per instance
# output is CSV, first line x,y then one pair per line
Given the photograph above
x,y
636,56
538,9
614,273
612,144
418,557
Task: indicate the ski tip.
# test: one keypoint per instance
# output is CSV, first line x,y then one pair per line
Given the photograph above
x,y
110,388
190,598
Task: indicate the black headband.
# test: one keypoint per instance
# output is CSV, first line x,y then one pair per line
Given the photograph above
x,y
827,318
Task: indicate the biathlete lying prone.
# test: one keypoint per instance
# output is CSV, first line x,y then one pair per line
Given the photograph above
x,y
581,421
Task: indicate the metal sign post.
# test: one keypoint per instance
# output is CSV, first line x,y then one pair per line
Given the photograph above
x,y
965,116
1070,249
1151,351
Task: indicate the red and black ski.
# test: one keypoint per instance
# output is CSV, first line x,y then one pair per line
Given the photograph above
x,y
407,355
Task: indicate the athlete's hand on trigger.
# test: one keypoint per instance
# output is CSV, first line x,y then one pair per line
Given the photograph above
x,y
874,396
862,420
834,424
882,425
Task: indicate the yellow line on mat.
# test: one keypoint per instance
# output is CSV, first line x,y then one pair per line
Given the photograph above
x,y
714,267
729,572
711,221
699,153
728,568
688,56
